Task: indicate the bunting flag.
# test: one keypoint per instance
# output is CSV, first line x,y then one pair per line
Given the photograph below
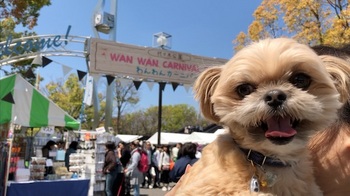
x,y
150,85
66,70
137,84
96,77
175,85
29,73
81,74
110,79
187,88
30,108
37,60
8,98
41,60
45,61
124,82
162,85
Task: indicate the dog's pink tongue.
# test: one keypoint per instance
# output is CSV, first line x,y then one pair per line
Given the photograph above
x,y
279,127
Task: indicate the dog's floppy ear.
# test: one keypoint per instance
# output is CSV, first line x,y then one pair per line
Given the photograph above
x,y
204,87
339,69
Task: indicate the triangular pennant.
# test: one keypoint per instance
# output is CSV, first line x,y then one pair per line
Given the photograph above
x,y
37,60
8,98
175,85
45,61
137,84
162,85
66,70
29,74
150,85
110,79
187,87
124,82
96,77
81,74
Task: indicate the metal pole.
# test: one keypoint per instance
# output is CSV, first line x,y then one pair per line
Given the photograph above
x,y
159,112
112,86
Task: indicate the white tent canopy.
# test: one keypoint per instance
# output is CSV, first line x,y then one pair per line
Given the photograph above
x,y
127,138
168,138
201,138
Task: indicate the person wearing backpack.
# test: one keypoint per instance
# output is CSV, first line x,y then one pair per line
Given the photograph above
x,y
147,177
132,170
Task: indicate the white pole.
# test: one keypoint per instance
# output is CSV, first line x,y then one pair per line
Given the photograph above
x,y
9,141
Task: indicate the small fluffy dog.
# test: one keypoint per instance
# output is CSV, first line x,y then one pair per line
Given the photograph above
x,y
271,97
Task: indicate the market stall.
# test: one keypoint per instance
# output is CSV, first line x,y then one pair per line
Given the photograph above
x,y
22,107
49,187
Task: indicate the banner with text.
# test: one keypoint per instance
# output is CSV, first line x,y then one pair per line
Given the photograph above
x,y
111,58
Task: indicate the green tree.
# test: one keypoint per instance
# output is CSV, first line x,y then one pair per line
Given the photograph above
x,y
69,96
125,96
174,118
308,21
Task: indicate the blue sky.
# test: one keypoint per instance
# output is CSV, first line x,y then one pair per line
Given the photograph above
x,y
198,27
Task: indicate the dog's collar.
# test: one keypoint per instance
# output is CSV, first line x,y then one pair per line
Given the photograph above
x,y
259,159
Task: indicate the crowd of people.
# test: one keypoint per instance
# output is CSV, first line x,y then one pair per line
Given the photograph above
x,y
165,164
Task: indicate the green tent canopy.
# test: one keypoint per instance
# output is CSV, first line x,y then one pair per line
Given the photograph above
x,y
22,104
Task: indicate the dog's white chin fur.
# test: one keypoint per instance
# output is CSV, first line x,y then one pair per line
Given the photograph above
x,y
267,65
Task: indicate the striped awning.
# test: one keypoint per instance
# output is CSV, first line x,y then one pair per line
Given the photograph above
x,y
22,104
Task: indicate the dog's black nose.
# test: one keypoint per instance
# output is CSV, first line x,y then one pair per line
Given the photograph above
x,y
275,98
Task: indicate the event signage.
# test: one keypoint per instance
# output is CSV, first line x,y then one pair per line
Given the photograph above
x,y
10,47
111,58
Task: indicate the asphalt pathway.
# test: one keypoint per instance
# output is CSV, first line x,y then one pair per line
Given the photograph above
x,y
154,191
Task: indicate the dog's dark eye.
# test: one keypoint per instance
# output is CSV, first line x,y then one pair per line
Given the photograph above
x,y
245,89
301,80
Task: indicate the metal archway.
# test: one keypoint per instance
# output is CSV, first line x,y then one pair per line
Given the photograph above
x,y
66,49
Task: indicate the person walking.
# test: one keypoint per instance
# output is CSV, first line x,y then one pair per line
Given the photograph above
x,y
110,168
121,182
164,167
131,170
187,157
147,177
155,162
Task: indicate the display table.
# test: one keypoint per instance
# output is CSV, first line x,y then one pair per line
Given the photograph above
x,y
69,187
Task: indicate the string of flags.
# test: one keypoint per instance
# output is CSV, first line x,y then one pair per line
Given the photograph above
x,y
44,61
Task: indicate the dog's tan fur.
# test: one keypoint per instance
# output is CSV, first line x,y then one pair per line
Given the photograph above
x,y
267,65
330,148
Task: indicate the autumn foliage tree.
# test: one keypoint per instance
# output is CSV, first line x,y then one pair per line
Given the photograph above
x,y
308,21
17,12
14,13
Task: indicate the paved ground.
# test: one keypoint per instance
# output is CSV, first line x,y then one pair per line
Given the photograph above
x,y
153,192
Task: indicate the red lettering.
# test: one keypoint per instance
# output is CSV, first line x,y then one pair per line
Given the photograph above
x,y
121,58
180,66
148,62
